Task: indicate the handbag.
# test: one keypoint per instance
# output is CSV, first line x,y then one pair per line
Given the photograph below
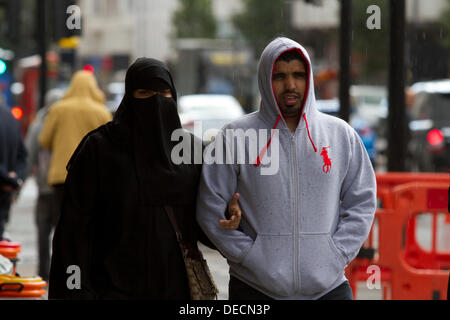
x,y
201,282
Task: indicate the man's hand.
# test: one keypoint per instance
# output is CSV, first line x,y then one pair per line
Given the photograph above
x,y
8,188
12,174
234,211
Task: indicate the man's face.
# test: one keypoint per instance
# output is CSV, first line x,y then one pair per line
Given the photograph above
x,y
289,83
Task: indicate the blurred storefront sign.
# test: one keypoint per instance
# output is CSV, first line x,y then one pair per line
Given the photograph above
x,y
224,58
69,43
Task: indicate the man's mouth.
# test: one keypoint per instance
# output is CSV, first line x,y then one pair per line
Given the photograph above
x,y
291,99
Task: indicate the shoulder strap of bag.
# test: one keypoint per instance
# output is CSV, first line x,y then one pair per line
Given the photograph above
x,y
173,221
188,249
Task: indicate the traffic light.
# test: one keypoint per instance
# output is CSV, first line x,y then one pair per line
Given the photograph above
x,y
6,62
17,112
3,67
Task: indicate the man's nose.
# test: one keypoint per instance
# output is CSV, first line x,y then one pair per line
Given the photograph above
x,y
290,83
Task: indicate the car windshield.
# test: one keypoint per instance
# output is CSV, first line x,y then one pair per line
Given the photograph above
x,y
372,100
205,108
440,107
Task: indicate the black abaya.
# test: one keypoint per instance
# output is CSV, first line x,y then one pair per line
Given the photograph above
x,y
113,225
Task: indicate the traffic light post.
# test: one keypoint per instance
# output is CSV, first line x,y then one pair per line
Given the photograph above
x,y
66,29
345,52
9,37
397,125
42,44
6,75
62,31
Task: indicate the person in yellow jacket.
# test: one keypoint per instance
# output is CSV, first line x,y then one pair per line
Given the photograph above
x,y
80,111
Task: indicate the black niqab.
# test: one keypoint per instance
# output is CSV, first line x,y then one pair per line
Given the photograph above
x,y
150,123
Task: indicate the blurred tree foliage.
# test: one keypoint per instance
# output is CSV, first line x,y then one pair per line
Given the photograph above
x,y
262,21
445,21
24,23
194,19
4,43
371,47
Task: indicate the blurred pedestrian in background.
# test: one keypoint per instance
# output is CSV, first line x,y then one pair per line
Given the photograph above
x,y
46,214
82,109
113,225
12,163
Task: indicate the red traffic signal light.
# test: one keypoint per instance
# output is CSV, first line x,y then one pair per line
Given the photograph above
x,y
17,112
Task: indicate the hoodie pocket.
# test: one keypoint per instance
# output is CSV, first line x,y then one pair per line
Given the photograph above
x,y
320,263
269,264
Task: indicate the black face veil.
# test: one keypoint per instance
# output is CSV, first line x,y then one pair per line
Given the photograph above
x,y
150,123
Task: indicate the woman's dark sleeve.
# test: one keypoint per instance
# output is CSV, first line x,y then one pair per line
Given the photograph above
x,y
72,243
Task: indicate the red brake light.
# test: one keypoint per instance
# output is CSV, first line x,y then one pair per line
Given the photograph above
x,y
435,137
17,113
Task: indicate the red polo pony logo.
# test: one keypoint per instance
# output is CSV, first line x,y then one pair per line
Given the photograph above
x,y
327,161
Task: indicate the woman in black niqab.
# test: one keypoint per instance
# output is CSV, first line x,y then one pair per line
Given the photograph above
x,y
113,225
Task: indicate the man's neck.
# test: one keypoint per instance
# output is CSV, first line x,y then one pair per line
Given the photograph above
x,y
292,122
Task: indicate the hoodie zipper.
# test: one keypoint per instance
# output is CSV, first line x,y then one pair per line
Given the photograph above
x,y
295,188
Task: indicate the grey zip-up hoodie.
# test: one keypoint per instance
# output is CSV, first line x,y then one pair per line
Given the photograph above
x,y
302,225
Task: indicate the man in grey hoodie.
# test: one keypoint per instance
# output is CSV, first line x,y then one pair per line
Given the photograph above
x,y
302,224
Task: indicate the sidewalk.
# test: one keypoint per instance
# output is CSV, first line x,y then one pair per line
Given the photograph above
x,y
21,228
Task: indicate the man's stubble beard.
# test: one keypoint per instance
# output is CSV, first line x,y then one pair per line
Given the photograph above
x,y
292,111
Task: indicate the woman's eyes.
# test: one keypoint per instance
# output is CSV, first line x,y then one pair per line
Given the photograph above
x,y
144,92
149,93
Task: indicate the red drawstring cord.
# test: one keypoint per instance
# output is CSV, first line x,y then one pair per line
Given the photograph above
x,y
263,151
309,135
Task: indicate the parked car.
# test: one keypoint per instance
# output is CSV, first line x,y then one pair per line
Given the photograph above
x,y
114,94
212,111
429,125
362,127
370,103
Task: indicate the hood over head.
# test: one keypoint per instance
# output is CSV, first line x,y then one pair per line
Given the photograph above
x,y
84,85
269,107
144,73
